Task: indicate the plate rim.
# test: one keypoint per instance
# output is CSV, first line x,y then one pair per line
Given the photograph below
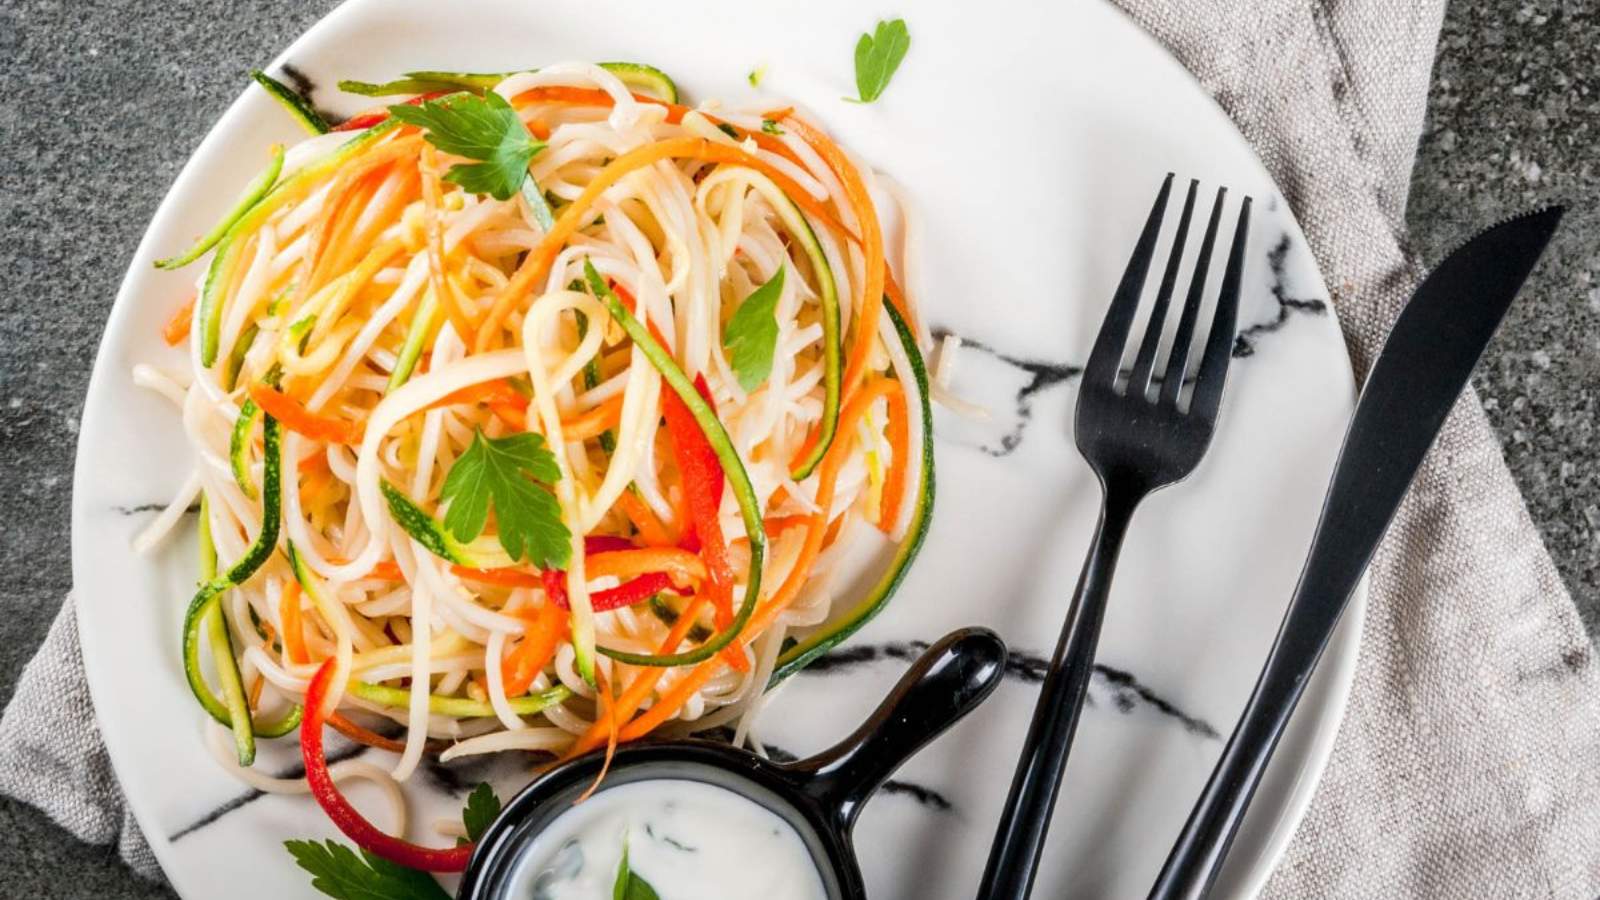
x,y
1334,675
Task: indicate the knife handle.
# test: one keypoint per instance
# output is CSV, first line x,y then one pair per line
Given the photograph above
x,y
1197,856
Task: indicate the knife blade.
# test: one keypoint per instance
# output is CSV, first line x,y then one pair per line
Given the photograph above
x,y
1421,370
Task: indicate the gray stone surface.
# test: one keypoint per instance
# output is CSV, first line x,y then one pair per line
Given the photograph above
x,y
104,103
1513,122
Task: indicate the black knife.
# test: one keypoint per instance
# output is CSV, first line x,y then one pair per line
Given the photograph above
x,y
1422,369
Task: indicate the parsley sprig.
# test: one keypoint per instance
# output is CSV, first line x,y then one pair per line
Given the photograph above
x,y
481,809
514,474
629,886
342,873
336,870
486,129
751,336
878,55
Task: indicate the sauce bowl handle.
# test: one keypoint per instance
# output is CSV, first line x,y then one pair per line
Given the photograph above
x,y
942,685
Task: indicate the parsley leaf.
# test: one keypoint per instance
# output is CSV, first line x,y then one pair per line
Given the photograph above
x,y
751,336
485,129
512,472
770,126
337,871
629,886
481,809
877,57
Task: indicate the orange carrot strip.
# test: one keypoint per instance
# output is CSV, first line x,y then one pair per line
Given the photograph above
x,y
573,96
866,324
362,735
501,398
644,519
255,693
776,525
294,641
295,417
442,290
313,462
682,565
608,714
344,243
898,431
338,213
514,414
536,265
388,570
512,578
177,327
827,477
482,392
634,696
546,629
593,422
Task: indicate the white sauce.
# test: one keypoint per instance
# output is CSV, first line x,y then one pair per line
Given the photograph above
x,y
690,840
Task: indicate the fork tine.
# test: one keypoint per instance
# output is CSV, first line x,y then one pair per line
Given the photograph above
x,y
1219,344
1106,356
1139,381
1177,362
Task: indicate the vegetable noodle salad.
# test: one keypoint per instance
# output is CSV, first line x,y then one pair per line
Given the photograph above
x,y
536,413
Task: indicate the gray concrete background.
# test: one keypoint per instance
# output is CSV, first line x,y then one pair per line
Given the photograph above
x,y
103,104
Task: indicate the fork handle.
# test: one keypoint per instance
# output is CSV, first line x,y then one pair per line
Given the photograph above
x,y
1014,857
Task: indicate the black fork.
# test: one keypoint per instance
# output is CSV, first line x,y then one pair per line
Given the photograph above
x,y
1136,443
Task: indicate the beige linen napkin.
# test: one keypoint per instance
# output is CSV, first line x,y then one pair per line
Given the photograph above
x,y
1468,764
1469,761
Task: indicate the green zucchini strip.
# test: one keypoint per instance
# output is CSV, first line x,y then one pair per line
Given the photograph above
x,y
206,606
669,617
801,654
832,336
422,324
638,76
537,203
732,467
239,446
253,192
298,107
456,707
226,259
241,349
244,737
482,552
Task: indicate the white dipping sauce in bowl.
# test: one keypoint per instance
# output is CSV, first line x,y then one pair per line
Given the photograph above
x,y
690,840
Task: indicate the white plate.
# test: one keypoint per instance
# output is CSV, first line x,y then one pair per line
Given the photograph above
x,y
1033,137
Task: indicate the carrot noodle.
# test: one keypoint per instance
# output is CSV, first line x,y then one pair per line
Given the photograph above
x,y
388,319
176,331
294,646
645,520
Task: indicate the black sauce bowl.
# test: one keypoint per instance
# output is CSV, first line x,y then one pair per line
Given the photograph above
x,y
820,797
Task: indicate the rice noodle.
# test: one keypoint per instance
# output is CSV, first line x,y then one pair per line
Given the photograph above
x,y
398,358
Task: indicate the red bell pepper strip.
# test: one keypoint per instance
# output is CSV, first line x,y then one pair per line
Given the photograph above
x,y
366,835
635,590
606,543
703,482
367,120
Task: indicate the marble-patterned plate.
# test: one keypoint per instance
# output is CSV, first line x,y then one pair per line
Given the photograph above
x,y
1032,137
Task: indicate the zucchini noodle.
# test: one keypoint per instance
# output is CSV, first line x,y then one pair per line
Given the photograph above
x,y
386,321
